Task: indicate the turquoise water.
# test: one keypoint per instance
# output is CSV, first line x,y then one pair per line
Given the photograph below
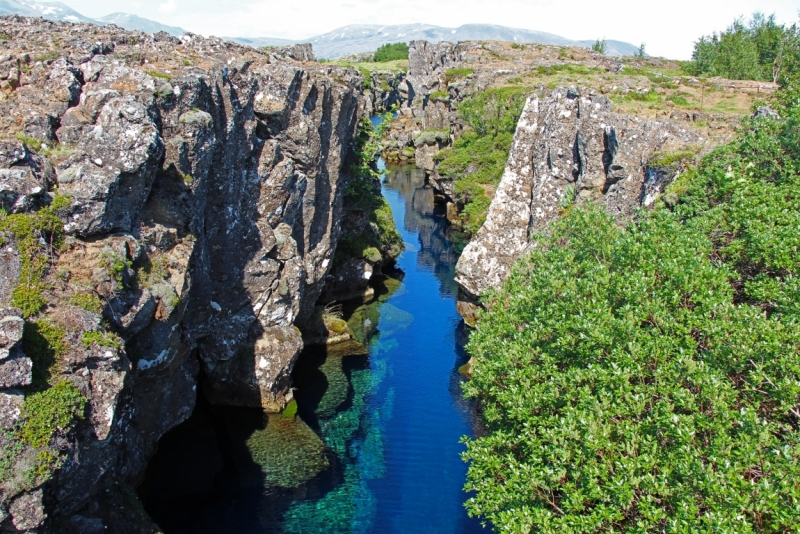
x,y
375,444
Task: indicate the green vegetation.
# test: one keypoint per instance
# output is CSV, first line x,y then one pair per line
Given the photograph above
x,y
397,65
647,378
27,229
363,194
477,159
32,142
567,68
391,52
159,75
600,46
104,339
460,72
439,96
87,301
759,50
44,343
49,412
116,265
5,36
367,74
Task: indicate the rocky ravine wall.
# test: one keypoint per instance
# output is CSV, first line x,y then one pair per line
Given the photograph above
x,y
205,184
569,144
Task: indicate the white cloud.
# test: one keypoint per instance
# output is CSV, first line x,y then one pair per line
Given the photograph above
x,y
169,7
668,28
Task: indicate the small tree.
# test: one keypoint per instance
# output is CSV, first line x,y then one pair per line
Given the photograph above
x,y
600,46
641,52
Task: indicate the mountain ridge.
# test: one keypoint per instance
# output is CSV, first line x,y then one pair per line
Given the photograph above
x,y
341,41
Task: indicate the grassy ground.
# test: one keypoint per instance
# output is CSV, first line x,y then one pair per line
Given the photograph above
x,y
398,65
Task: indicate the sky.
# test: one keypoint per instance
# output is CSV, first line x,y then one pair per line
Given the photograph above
x,y
667,28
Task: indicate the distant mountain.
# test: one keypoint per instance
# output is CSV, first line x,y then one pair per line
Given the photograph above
x,y
133,22
364,38
258,42
48,10
59,11
339,42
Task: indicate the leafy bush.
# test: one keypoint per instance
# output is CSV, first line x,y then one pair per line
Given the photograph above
x,y
391,52
27,230
477,159
50,412
647,379
759,50
600,46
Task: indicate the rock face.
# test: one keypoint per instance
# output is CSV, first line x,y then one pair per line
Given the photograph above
x,y
569,147
202,188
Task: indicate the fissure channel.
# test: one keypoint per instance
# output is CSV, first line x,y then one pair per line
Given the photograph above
x,y
374,443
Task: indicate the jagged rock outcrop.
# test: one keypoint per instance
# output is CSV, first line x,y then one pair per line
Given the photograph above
x,y
570,144
201,184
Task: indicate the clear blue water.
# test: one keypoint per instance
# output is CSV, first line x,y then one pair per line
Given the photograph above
x,y
388,424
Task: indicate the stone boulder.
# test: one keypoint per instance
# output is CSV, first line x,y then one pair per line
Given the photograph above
x,y
569,147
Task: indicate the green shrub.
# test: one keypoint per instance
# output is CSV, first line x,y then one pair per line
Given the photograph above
x,y
759,50
391,52
32,142
44,343
87,301
439,96
647,379
116,265
477,159
34,261
459,72
52,411
104,339
679,100
600,46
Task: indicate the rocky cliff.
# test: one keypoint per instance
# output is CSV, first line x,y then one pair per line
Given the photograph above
x,y
569,147
198,190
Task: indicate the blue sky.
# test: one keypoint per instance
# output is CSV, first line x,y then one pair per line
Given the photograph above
x,y
667,27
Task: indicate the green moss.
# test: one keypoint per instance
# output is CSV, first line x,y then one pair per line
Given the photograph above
x,y
365,72
116,265
160,75
290,411
288,451
46,57
431,137
439,96
459,72
672,161
26,230
49,412
87,301
104,339
32,142
679,100
44,343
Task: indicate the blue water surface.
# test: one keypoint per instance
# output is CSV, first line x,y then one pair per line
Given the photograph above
x,y
389,422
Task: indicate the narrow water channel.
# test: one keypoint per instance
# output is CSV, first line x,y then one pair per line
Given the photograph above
x,y
374,447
